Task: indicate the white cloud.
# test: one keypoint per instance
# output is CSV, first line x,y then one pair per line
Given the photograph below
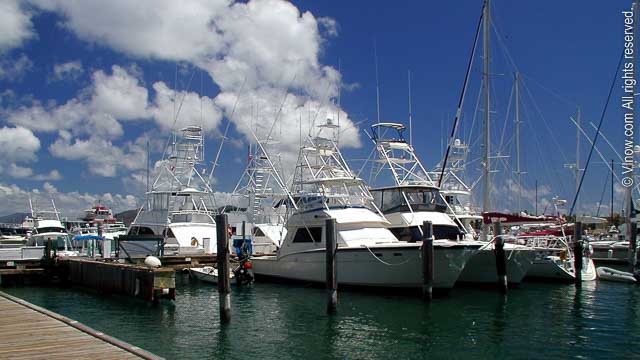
x,y
102,157
94,111
70,204
15,24
21,172
17,144
67,71
163,29
13,69
193,109
119,94
267,45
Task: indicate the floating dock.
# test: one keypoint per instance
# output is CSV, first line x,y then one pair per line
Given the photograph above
x,y
150,284
31,332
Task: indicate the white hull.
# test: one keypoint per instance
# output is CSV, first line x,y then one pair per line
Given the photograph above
x,y
605,273
207,274
553,268
395,266
481,269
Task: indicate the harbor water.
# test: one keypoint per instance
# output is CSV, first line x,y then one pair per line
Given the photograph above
x,y
276,321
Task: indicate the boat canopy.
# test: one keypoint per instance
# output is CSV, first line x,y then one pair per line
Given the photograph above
x,y
510,219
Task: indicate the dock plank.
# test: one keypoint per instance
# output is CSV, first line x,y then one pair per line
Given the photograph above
x,y
30,332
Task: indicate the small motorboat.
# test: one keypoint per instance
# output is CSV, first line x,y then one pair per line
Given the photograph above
x,y
207,274
610,274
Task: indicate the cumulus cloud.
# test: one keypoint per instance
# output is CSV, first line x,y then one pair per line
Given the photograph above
x,y
70,204
67,71
101,156
95,110
17,144
13,69
15,24
258,50
21,172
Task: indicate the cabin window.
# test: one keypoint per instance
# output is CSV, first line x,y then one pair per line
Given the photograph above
x,y
258,232
140,230
307,235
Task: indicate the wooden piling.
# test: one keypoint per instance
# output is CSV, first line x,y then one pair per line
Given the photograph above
x,y
633,247
331,266
501,262
577,253
427,261
224,285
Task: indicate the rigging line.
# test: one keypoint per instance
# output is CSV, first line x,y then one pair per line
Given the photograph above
x,y
604,188
462,94
607,141
177,112
226,129
595,138
284,99
544,120
550,91
506,120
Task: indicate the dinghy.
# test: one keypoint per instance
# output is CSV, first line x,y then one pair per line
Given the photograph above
x,y
207,274
610,274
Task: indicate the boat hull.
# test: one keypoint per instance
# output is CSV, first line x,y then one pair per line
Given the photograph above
x,y
398,266
553,268
481,268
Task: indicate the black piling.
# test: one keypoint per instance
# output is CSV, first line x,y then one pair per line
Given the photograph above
x,y
501,262
633,248
427,261
224,284
331,266
577,253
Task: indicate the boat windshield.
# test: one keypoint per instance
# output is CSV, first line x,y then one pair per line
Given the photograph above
x,y
415,199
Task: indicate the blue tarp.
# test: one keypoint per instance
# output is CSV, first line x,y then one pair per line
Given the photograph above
x,y
87,237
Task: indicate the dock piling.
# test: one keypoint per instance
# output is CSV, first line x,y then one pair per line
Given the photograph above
x,y
224,284
501,262
331,266
577,254
427,261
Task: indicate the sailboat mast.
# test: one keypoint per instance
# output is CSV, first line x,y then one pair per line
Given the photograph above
x,y
577,169
518,169
410,115
487,166
630,223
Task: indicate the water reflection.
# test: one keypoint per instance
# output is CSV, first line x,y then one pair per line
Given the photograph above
x,y
278,321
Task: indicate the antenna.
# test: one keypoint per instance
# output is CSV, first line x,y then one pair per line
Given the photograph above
x,y
410,115
375,56
148,164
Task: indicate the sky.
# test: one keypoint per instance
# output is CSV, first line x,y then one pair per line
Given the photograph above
x,y
85,85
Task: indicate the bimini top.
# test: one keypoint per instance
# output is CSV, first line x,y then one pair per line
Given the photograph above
x,y
396,126
378,131
406,186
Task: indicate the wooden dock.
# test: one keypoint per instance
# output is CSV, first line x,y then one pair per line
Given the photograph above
x,y
28,331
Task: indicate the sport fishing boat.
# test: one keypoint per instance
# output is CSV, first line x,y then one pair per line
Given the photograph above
x,y
110,227
263,191
180,206
41,226
415,198
368,253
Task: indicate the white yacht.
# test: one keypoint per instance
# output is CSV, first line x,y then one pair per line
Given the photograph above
x,y
180,206
111,228
415,197
44,225
263,192
368,254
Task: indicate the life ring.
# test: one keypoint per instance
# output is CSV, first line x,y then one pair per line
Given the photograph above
x,y
194,241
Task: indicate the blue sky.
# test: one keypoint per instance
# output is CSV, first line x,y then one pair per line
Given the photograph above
x,y
83,129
